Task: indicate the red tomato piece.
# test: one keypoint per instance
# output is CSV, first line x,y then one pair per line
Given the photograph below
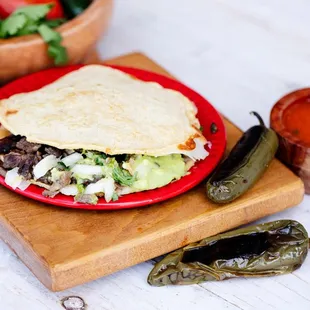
x,y
7,7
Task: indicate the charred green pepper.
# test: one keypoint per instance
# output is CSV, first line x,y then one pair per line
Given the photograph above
x,y
268,249
245,164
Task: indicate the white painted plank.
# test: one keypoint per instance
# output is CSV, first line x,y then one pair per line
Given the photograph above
x,y
123,289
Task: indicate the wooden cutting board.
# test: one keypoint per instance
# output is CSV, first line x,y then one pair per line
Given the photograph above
x,y
65,247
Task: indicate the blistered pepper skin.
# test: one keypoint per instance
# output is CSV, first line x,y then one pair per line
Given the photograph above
x,y
262,250
245,164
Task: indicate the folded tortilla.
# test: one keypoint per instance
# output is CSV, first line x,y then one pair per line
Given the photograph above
x,y
103,109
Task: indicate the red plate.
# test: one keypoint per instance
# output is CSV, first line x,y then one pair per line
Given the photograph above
x,y
206,115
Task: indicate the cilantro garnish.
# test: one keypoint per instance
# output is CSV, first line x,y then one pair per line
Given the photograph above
x,y
29,28
48,34
122,176
54,22
34,12
12,25
32,19
58,52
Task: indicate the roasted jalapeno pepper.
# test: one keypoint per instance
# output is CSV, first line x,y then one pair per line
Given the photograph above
x,y
263,250
245,164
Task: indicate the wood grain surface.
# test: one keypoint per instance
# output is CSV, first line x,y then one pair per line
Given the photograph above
x,y
65,247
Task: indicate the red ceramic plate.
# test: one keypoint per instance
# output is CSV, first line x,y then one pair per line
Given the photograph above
x,y
206,115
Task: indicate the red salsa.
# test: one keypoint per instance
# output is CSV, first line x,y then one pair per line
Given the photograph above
x,y
296,119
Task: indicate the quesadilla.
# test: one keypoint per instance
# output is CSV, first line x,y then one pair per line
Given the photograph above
x,y
99,132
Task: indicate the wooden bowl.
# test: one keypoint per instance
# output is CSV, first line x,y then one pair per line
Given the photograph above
x,y
27,54
290,118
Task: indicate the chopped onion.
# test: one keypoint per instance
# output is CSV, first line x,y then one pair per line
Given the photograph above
x,y
105,186
13,179
72,159
23,185
70,190
44,165
87,170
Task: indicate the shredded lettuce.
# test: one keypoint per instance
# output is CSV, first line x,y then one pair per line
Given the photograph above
x,y
86,161
120,175
56,174
93,158
115,197
80,188
81,178
99,160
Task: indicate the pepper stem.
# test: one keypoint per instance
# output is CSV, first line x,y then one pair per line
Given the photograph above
x,y
261,122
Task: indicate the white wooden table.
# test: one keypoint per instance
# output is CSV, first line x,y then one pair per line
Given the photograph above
x,y
242,55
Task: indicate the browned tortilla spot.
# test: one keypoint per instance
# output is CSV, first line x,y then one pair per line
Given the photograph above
x,y
190,144
82,92
9,112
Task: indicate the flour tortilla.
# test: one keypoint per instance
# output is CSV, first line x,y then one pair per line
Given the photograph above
x,y
103,109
